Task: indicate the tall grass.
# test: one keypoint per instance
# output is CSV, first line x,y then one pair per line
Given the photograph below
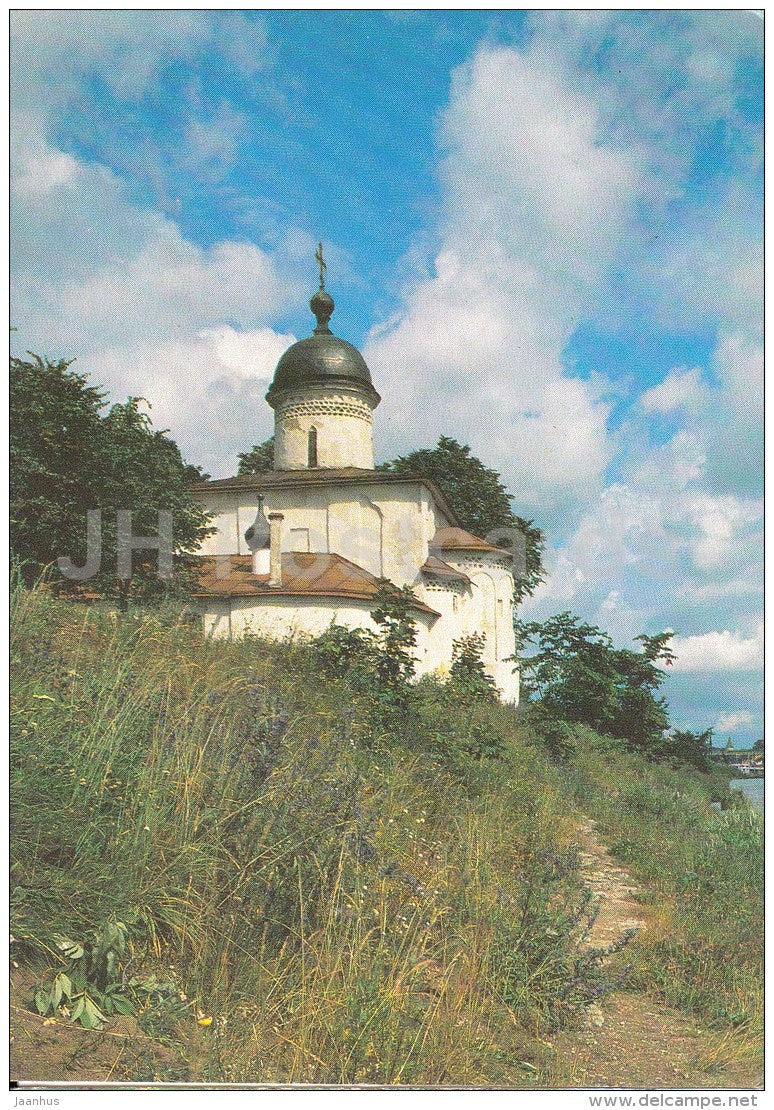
x,y
699,850
346,903
346,907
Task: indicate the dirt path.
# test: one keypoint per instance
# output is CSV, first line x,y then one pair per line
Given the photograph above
x,y
630,1040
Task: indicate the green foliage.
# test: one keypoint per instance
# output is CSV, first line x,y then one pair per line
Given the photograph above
x,y
379,667
393,613
694,748
90,987
374,662
576,675
303,870
347,904
478,497
259,459
68,456
468,680
558,736
698,849
55,422
527,960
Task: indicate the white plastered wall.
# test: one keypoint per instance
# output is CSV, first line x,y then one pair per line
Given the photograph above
x,y
385,528
282,618
344,425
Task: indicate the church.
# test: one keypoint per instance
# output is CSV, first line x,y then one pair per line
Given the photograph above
x,y
307,544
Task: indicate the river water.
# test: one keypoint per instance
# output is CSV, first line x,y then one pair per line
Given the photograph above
x,y
752,790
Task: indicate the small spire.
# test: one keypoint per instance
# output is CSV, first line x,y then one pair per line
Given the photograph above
x,y
322,304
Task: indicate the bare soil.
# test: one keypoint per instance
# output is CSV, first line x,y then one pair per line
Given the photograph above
x,y
52,1049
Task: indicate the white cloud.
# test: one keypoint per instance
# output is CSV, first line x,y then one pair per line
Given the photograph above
x,y
657,549
719,651
534,210
547,171
722,524
145,310
207,386
731,721
51,51
660,78
679,388
213,144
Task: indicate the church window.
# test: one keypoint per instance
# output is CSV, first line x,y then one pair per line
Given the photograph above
x,y
299,539
312,461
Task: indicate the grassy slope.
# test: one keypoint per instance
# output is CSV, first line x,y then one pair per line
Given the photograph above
x,y
351,898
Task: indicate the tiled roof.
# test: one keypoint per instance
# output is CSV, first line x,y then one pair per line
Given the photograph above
x,y
270,478
277,479
439,569
449,539
304,574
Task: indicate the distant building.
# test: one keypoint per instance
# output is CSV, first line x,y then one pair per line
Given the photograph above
x,y
306,544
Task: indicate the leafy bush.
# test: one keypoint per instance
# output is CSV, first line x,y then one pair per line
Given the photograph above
x,y
90,987
468,679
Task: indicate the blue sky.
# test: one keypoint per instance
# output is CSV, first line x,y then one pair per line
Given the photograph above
x,y
543,229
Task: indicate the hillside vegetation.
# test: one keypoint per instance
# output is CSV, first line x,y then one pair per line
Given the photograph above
x,y
290,865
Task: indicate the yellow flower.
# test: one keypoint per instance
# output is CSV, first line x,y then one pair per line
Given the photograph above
x,y
204,1021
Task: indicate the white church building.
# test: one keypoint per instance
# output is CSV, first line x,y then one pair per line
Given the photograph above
x,y
308,543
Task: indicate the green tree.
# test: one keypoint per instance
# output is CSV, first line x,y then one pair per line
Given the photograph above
x,y
576,674
68,456
478,497
684,746
54,428
259,459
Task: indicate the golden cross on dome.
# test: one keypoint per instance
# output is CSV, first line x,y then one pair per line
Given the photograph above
x,y
318,256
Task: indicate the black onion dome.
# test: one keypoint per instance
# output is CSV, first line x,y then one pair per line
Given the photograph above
x,y
322,359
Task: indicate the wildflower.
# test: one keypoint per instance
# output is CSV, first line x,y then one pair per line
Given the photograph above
x,y
204,1021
